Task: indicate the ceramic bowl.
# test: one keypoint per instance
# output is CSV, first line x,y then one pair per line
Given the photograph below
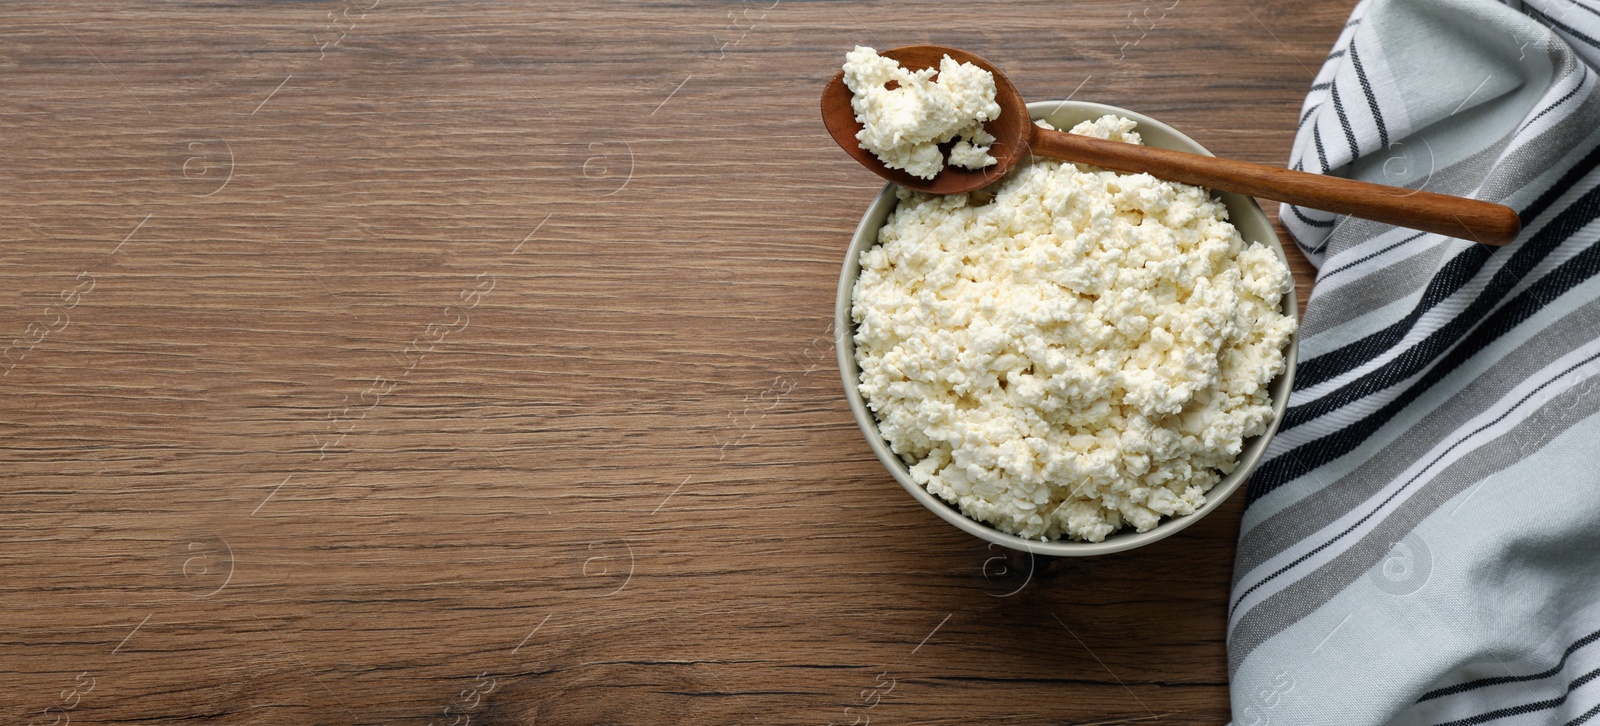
x,y
1245,214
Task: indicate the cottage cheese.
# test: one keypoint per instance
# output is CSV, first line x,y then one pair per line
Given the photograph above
x,y
1088,350
904,126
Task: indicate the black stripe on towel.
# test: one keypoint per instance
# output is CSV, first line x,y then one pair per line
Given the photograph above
x,y
1449,279
1553,23
1344,122
1313,222
1307,115
1322,156
1342,268
1372,100
1559,101
1501,680
1239,600
1534,707
1302,459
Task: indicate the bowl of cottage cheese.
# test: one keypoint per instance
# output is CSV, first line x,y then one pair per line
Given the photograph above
x,y
1070,361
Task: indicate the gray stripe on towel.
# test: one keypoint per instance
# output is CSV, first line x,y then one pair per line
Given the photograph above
x,y
1293,603
1300,520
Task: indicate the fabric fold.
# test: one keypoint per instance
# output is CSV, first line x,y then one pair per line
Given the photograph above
x,y
1421,542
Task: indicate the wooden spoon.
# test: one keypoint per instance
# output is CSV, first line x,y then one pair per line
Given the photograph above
x,y
1016,136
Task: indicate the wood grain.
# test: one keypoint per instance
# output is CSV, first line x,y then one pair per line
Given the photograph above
x,y
427,362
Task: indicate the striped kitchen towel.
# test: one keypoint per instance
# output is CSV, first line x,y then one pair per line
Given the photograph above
x,y
1421,543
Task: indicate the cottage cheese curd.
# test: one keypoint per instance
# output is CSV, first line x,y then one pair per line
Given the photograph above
x,y
904,126
1088,350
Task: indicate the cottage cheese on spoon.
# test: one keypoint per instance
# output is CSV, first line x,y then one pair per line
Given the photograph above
x,y
1088,350
904,126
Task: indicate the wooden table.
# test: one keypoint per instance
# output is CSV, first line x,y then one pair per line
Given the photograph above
x,y
393,362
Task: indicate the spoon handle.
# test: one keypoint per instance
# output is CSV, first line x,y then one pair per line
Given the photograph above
x,y
1471,219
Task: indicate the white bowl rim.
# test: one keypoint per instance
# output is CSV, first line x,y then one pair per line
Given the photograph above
x,y
1121,540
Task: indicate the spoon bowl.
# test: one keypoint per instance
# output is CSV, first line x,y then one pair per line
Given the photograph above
x,y
1016,137
1010,129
